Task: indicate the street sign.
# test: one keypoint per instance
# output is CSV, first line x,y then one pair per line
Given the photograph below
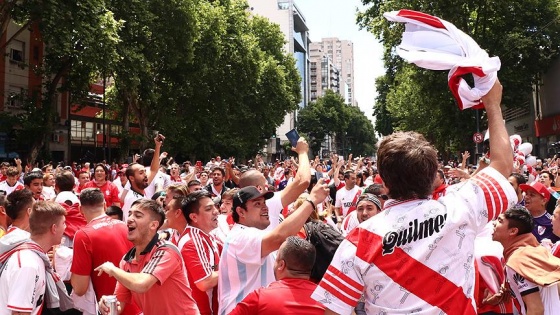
x,y
478,137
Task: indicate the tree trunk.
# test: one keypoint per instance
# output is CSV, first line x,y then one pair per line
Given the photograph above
x,y
125,135
49,108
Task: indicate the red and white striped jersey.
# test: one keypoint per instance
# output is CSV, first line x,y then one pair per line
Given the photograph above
x,y
416,256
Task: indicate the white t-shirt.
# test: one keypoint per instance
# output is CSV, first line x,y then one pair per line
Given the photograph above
x,y
22,284
416,256
241,268
148,191
48,193
131,196
346,198
9,189
521,286
119,185
275,208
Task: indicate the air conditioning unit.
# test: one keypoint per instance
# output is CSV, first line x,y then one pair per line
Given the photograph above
x,y
16,55
55,138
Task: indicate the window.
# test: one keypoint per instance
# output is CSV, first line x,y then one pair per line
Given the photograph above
x,y
17,50
116,129
82,130
15,97
283,5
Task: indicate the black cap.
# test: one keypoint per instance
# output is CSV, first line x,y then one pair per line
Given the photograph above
x,y
249,193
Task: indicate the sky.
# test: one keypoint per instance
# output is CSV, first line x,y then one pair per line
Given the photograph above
x,y
337,18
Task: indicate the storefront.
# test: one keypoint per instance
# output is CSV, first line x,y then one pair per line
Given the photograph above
x,y
547,131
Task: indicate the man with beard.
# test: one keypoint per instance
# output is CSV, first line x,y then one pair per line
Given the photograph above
x,y
216,187
151,174
139,179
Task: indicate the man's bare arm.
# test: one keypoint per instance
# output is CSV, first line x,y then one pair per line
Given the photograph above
x,y
500,147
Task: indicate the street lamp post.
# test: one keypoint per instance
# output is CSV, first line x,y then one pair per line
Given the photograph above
x,y
104,133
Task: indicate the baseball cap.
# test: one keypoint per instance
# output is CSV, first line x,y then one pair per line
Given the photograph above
x,y
249,193
536,187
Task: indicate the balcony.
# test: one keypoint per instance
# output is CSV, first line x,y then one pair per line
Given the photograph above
x,y
517,113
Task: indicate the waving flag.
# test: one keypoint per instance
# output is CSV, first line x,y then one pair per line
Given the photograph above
x,y
435,44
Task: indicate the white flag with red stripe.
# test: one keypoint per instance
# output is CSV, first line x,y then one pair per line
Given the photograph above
x,y
435,44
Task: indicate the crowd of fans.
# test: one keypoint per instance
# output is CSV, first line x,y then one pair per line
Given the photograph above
x,y
400,234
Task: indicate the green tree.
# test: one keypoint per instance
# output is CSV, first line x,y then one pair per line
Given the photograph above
x,y
522,33
328,116
227,87
80,39
156,42
360,133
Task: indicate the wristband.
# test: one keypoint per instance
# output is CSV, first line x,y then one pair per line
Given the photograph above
x,y
312,203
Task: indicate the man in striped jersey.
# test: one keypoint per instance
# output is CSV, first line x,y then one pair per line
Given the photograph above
x,y
201,251
152,272
417,256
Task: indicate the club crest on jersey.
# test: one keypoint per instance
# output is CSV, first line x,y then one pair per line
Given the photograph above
x,y
541,229
415,231
519,279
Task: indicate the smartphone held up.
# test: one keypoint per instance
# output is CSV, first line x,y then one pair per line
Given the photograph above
x,y
293,136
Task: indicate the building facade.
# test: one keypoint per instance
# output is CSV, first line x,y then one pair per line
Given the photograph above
x,y
292,23
341,53
324,75
81,132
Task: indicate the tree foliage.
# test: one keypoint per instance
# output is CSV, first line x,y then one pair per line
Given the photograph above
x,y
525,34
207,74
325,117
330,116
360,133
227,88
80,39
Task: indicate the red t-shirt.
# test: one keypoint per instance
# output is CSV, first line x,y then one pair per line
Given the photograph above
x,y
201,254
109,190
103,239
556,250
286,296
74,220
171,294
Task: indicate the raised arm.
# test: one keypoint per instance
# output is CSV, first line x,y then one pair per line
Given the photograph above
x,y
292,224
501,156
154,166
465,156
303,175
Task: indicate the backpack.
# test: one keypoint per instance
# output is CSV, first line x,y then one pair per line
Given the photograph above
x,y
326,241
